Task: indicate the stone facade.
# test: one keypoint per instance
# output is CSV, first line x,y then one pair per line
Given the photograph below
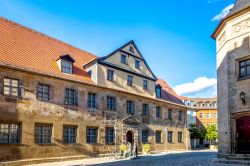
x,y
27,111
232,38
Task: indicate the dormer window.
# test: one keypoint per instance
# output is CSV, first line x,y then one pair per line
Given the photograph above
x,y
158,91
65,63
67,67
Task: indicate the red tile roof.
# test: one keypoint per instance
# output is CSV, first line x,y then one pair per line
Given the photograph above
x,y
28,49
167,93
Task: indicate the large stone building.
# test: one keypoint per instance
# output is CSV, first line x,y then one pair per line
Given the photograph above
x,y
233,69
57,100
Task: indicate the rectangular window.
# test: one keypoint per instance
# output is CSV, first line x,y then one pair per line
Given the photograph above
x,y
170,136
9,133
170,114
158,112
66,67
180,137
244,68
11,87
145,109
180,115
110,75
130,80
70,97
130,107
144,136
145,84
158,136
208,115
43,133
158,92
110,135
111,103
91,135
43,92
201,115
137,64
91,100
69,134
215,115
124,59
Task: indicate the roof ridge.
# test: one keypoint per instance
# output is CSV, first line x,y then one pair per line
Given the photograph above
x,y
44,35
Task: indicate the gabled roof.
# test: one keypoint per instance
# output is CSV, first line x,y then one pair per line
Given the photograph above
x,y
239,6
167,93
102,59
27,49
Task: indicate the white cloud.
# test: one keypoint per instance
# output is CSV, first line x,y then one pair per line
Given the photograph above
x,y
202,87
223,13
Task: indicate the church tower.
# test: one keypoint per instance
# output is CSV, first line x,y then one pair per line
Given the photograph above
x,y
233,73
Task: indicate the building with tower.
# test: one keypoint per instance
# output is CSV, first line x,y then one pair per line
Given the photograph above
x,y
233,71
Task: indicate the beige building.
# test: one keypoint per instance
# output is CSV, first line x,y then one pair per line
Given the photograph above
x,y
233,68
59,101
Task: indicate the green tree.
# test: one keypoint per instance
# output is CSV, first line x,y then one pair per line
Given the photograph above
x,y
197,133
212,133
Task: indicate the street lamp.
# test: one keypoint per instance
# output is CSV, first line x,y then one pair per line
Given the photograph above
x,y
243,97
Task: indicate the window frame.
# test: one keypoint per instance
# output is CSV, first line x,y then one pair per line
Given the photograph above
x,y
170,114
91,102
110,75
43,134
158,135
68,100
130,107
201,115
145,86
110,136
41,95
144,138
180,135
67,137
130,80
66,69
180,115
111,103
92,138
145,109
170,136
123,59
12,138
245,67
137,64
208,115
158,112
11,87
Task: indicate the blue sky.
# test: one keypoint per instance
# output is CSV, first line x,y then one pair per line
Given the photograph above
x,y
173,36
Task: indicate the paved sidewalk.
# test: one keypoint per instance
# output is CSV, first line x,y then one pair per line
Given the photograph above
x,y
111,161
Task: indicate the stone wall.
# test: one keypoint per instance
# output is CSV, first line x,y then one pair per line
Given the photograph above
x,y
27,110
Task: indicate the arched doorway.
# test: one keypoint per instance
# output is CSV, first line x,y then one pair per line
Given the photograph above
x,y
130,137
243,134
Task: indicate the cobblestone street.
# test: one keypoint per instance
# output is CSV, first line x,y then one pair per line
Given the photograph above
x,y
202,158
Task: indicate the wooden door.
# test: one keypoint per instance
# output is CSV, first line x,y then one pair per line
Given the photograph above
x,y
243,134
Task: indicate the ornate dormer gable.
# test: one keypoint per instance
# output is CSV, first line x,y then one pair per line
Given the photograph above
x,y
65,63
128,58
